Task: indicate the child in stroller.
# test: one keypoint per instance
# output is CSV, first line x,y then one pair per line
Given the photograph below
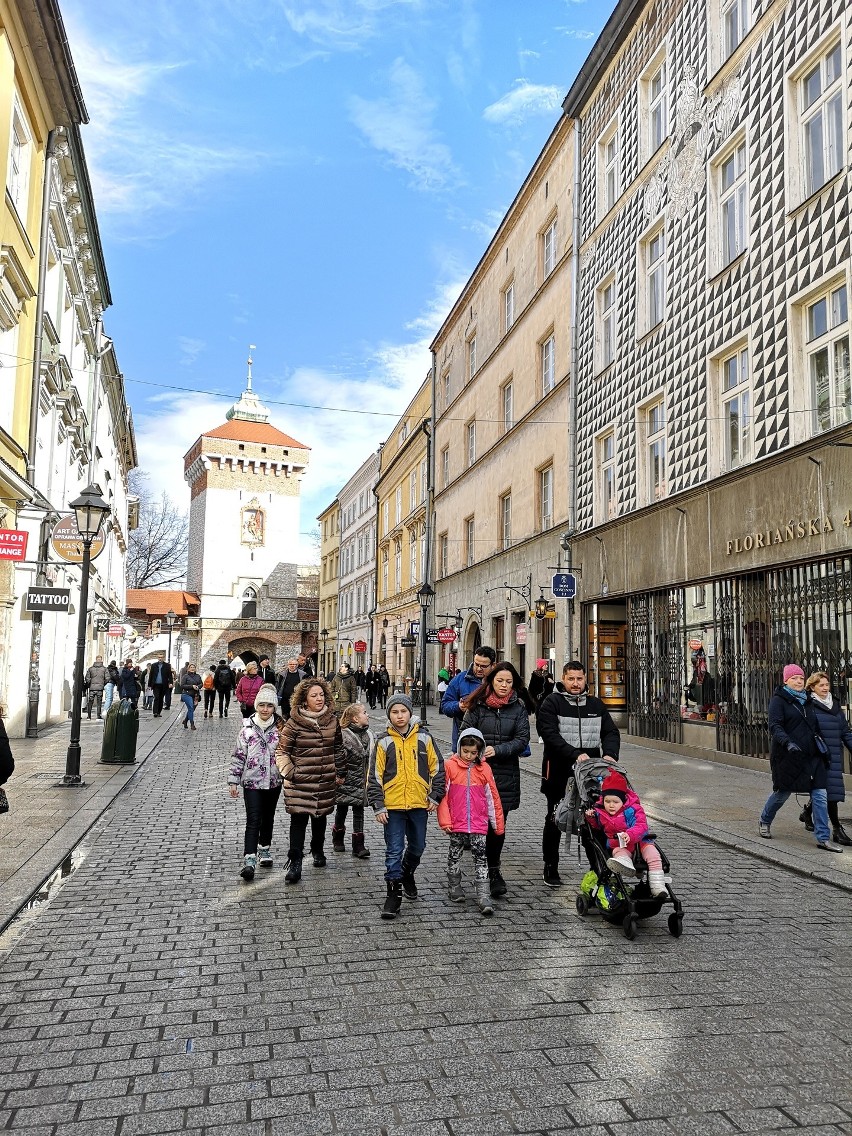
x,y
620,816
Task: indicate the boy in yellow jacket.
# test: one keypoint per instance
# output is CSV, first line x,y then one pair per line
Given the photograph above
x,y
406,782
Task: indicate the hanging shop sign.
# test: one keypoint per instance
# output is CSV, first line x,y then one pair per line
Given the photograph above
x,y
117,629
408,641
446,634
101,624
67,543
13,544
48,599
360,646
521,634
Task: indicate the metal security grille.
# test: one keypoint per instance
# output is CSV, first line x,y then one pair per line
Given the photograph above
x,y
655,644
743,664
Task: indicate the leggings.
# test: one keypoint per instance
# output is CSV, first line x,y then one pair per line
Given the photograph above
x,y
475,841
357,817
494,847
260,817
298,830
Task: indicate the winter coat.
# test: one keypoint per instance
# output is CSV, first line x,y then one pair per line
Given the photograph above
x,y
191,683
345,690
406,772
114,674
161,670
97,676
7,762
472,801
460,687
539,687
569,725
247,689
630,819
358,745
253,764
310,757
384,679
128,683
223,678
286,685
802,768
507,728
834,727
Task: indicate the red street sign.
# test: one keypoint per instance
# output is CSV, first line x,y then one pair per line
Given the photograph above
x,y
13,544
360,646
115,629
446,635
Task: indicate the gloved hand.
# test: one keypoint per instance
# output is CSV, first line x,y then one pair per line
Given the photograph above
x,y
793,748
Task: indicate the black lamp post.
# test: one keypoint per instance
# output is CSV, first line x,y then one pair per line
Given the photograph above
x,y
425,595
91,511
170,620
324,637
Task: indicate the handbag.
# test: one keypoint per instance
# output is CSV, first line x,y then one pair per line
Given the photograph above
x,y
822,746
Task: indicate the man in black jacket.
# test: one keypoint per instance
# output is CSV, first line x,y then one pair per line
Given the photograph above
x,y
160,679
266,672
223,683
574,726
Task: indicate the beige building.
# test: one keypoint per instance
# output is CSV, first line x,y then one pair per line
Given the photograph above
x,y
503,414
329,581
402,495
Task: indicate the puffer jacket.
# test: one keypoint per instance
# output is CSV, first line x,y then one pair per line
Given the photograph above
x,y
128,683
571,724
472,800
406,771
507,728
253,764
630,819
834,727
97,676
358,744
802,768
310,758
247,689
344,688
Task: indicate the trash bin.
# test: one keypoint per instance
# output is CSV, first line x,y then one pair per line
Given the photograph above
x,y
121,729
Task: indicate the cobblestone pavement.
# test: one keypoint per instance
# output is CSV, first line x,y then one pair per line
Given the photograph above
x,y
157,993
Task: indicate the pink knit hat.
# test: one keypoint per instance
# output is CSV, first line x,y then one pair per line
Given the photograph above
x,y
542,663
791,670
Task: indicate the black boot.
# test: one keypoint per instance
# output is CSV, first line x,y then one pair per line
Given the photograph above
x,y
551,875
394,900
498,884
408,884
338,838
840,836
358,848
294,868
806,817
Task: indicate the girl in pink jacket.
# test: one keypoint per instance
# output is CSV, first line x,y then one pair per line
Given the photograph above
x,y
471,803
619,814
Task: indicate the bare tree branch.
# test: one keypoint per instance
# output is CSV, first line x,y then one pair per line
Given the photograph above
x,y
158,547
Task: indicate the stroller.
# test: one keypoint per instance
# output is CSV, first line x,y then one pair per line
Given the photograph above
x,y
618,900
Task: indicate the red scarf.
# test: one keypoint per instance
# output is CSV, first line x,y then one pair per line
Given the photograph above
x,y
495,703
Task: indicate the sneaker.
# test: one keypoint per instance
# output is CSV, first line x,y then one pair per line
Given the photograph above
x,y
551,876
264,857
828,846
622,863
763,829
249,864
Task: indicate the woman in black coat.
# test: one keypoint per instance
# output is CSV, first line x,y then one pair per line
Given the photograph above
x,y
500,710
795,758
835,729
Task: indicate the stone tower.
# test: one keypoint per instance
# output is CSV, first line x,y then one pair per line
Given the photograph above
x,y
244,478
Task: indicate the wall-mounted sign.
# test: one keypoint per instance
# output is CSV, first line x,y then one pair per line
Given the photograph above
x,y
432,635
408,641
101,624
446,634
48,599
521,634
13,544
116,629
360,646
68,544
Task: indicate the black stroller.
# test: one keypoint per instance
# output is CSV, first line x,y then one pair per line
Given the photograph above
x,y
618,900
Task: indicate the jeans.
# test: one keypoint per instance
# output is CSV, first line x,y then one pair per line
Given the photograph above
x,y
224,701
189,703
109,694
405,841
260,817
819,803
298,829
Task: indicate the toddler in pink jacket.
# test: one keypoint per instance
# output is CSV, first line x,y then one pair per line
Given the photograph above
x,y
619,814
470,804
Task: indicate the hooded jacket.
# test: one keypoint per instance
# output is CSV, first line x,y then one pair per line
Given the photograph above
x,y
310,757
472,800
253,763
507,729
358,744
460,687
571,724
406,771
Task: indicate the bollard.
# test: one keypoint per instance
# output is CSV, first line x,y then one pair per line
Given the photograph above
x,y
124,734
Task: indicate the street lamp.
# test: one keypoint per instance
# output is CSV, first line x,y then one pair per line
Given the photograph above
x,y
91,511
541,607
425,595
170,620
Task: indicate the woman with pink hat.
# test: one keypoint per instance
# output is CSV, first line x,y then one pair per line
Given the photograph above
x,y
798,756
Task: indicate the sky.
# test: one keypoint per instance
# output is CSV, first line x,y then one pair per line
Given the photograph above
x,y
318,179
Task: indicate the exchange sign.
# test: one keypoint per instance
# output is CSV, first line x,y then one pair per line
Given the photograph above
x,y
13,544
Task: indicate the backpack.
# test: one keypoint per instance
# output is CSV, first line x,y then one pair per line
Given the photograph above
x,y
208,681
223,676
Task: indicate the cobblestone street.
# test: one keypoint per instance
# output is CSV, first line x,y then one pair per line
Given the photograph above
x,y
157,993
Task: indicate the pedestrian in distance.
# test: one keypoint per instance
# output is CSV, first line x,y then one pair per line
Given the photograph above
x,y
7,763
834,727
266,670
148,694
311,759
160,681
499,708
247,687
190,694
224,683
305,666
358,742
96,679
384,686
287,683
470,809
464,684
371,686
574,726
209,686
113,679
619,815
406,783
798,756
128,683
253,768
344,688
541,682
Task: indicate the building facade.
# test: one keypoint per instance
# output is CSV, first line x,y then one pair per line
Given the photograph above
x,y
357,584
503,408
714,482
329,583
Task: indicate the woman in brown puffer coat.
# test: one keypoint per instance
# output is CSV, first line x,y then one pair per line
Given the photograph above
x,y
312,761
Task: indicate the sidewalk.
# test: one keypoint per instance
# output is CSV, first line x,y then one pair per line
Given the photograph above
x,y
45,822
719,802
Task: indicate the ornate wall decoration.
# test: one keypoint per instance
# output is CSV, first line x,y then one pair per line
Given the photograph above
x,y
253,524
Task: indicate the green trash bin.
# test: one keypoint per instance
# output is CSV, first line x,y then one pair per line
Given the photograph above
x,y
121,729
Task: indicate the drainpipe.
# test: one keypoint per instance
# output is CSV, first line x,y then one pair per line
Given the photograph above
x,y
572,389
35,390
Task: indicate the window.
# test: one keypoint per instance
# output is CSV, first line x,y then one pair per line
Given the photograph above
x,y
736,408
735,23
249,607
549,248
397,556
827,339
608,506
821,116
471,358
360,551
654,107
609,170
469,542
443,554
412,490
412,558
385,519
498,637
509,306
508,402
733,204
471,443
445,387
653,424
506,521
398,503
423,550
384,573
606,313
545,497
652,274
445,466
403,434
548,365
18,177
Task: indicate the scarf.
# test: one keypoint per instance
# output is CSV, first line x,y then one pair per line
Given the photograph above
x,y
828,703
496,702
261,725
801,696
312,714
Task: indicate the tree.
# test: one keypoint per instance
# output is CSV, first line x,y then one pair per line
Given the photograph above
x,y
158,546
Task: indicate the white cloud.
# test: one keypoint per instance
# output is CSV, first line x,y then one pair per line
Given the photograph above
x,y
524,100
400,126
190,349
342,24
577,33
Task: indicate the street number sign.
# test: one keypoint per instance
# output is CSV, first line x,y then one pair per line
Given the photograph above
x,y
564,585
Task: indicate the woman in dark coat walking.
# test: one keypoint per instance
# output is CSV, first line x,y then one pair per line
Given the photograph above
x,y
835,729
499,708
795,759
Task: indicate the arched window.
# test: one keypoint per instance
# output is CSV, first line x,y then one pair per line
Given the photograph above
x,y
249,610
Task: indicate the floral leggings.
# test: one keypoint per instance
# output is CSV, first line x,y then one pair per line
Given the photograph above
x,y
475,841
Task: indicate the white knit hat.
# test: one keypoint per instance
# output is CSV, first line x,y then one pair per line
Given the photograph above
x,y
267,694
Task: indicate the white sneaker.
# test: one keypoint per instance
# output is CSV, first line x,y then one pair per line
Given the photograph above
x,y
622,863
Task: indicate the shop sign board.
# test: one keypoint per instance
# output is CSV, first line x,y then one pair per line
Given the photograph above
x,y
67,543
521,634
13,544
360,646
48,599
116,629
408,641
101,624
446,634
432,635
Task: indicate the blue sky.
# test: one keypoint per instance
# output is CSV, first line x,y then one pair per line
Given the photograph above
x,y
318,179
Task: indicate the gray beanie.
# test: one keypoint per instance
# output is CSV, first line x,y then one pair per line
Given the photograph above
x,y
267,694
400,700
